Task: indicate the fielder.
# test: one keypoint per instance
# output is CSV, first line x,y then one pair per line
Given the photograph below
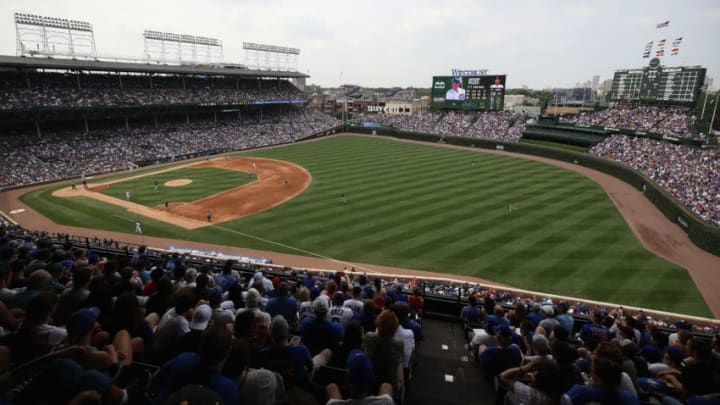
x,y
209,216
127,195
343,199
155,183
165,206
138,227
511,206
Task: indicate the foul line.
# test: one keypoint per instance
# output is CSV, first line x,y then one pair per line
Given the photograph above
x,y
294,248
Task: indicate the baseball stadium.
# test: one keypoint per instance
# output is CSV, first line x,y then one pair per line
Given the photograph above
x,y
429,256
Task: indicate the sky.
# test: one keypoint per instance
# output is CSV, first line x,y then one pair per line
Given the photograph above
x,y
541,44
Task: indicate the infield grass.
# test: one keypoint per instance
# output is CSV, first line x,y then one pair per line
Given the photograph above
x,y
206,181
431,208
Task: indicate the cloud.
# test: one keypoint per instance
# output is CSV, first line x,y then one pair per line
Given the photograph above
x,y
582,11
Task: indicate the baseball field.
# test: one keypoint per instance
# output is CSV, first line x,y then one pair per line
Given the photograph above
x,y
407,205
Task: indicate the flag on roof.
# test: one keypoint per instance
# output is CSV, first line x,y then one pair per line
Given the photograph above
x,y
663,24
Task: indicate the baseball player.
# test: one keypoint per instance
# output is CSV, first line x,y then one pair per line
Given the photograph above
x,y
155,183
209,216
343,199
127,195
138,227
72,186
165,206
511,207
286,183
254,165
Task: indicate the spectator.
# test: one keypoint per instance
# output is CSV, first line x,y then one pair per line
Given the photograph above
x,y
319,333
203,368
284,305
386,352
362,380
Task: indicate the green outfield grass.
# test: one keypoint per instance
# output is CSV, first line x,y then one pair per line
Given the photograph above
x,y
431,208
206,181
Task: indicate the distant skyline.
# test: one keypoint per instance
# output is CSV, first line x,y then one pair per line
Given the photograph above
x,y
404,43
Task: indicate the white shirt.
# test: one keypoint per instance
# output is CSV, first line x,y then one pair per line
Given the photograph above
x,y
408,340
55,335
371,400
305,310
342,315
453,94
355,305
170,329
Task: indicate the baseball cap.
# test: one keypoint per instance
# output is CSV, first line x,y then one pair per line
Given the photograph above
x,y
320,304
279,328
675,354
379,302
82,321
360,370
215,296
548,310
258,276
456,80
504,331
201,317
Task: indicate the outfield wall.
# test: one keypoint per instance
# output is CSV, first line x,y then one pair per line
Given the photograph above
x,y
702,234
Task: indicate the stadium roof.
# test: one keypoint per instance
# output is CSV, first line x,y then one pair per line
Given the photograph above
x,y
18,62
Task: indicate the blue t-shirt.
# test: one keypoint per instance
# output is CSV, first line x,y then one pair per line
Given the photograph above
x,y
470,313
291,362
493,321
582,394
287,307
179,372
225,281
319,334
495,359
592,334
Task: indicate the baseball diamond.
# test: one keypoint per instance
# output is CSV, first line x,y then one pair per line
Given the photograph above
x,y
429,208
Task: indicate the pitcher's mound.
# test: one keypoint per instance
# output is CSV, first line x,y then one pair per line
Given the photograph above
x,y
178,182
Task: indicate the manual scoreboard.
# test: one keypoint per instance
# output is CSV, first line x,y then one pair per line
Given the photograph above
x,y
657,83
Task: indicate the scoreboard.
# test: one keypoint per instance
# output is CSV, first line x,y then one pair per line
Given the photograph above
x,y
469,92
658,83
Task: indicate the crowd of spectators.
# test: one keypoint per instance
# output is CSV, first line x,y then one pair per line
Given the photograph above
x,y
692,175
29,158
538,356
671,121
77,325
88,319
499,126
70,90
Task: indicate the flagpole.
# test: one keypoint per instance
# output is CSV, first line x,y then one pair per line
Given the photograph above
x,y
702,114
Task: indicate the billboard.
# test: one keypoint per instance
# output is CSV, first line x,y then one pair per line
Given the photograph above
x,y
658,83
469,92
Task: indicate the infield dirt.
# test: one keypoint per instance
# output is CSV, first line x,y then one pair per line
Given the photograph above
x,y
277,182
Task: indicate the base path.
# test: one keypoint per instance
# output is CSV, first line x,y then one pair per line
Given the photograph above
x,y
653,230
277,182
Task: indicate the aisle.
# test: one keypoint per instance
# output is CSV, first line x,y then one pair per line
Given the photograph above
x,y
445,374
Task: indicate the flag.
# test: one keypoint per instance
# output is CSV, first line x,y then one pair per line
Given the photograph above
x,y
648,49
663,24
675,51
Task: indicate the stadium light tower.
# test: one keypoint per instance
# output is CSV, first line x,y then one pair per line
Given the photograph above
x,y
50,36
270,57
182,48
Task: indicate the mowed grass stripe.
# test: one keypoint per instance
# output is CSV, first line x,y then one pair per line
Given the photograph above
x,y
430,208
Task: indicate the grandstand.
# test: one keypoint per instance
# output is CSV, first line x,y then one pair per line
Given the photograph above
x,y
87,319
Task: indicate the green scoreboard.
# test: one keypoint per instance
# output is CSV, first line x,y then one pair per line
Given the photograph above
x,y
469,92
657,83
